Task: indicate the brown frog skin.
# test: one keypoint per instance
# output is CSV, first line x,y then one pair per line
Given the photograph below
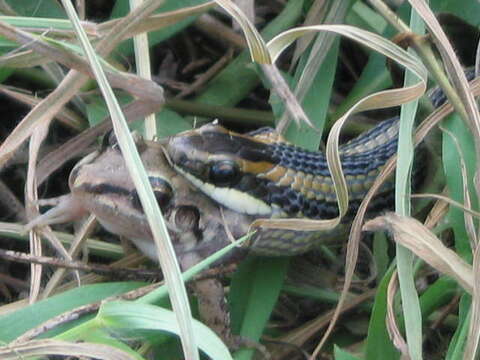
x,y
100,184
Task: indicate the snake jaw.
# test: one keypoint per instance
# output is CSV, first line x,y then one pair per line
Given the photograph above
x,y
231,198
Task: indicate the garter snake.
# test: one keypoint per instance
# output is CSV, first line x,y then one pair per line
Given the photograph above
x,y
261,174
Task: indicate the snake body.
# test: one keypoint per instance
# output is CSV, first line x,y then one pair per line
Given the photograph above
x,y
262,175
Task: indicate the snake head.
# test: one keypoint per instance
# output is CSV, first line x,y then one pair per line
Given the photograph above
x,y
189,152
225,165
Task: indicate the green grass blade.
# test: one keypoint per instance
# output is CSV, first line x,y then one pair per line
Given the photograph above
x,y
254,292
379,346
135,316
20,321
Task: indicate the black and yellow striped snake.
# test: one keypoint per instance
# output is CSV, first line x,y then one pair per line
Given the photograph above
x,y
262,175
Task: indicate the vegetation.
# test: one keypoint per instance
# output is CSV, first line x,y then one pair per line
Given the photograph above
x,y
413,292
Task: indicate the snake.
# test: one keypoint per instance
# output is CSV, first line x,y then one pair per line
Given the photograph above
x,y
261,174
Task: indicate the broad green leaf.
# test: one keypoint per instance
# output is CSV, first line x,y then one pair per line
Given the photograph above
x,y
315,105
253,293
135,316
14,324
457,344
5,73
101,336
343,355
465,9
363,16
437,295
240,77
379,346
454,179
43,8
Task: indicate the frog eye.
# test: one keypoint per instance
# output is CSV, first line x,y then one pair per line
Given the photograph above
x,y
224,173
161,189
163,199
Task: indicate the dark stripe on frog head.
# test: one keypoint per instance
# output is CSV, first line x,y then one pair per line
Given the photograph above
x,y
104,188
161,188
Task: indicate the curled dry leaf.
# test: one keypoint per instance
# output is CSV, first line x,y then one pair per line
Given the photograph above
x,y
391,319
473,339
415,236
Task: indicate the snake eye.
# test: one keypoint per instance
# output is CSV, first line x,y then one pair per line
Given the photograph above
x,y
224,172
